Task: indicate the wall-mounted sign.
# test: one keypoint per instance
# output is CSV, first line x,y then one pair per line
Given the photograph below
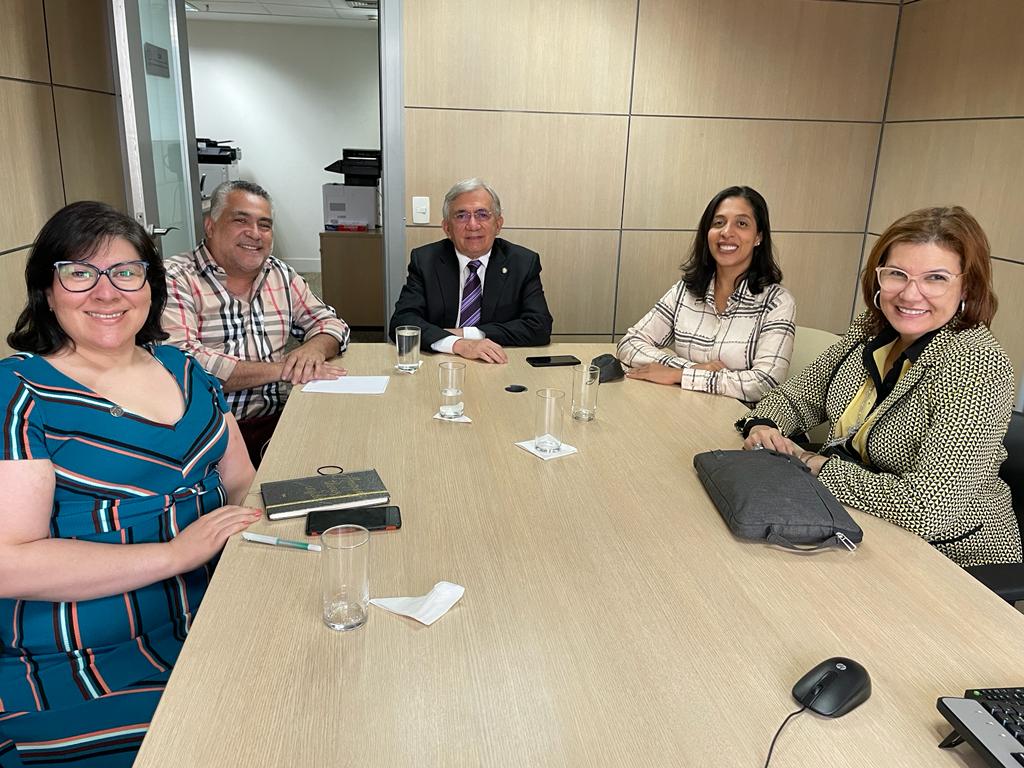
x,y
157,61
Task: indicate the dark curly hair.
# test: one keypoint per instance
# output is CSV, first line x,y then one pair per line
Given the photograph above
x,y
699,268
75,233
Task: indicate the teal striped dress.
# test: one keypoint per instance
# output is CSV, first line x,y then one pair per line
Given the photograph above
x,y
79,680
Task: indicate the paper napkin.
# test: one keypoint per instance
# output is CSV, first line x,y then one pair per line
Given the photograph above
x,y
565,450
427,609
463,419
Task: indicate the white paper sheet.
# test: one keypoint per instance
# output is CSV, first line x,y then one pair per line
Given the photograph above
x,y
350,385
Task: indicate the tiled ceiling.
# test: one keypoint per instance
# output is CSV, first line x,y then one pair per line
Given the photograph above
x,y
338,12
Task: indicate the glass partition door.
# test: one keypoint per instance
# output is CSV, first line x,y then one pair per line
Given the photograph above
x,y
158,132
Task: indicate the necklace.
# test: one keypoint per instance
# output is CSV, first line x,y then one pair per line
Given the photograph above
x,y
863,414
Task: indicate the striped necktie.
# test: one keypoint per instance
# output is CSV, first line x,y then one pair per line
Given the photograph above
x,y
472,292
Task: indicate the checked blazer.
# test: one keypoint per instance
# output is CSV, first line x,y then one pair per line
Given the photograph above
x,y
934,448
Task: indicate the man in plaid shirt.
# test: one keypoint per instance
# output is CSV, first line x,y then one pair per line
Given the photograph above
x,y
233,305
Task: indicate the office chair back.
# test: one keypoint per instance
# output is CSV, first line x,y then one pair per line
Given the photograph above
x,y
1012,470
808,344
1007,579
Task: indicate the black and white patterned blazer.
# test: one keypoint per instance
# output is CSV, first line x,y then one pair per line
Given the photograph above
x,y
935,446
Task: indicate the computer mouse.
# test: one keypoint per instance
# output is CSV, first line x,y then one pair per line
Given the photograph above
x,y
834,687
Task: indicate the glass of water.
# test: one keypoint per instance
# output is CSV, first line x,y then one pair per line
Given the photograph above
x,y
407,343
345,576
549,420
452,378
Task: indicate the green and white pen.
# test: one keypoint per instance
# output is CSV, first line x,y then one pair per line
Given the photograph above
x,y
259,538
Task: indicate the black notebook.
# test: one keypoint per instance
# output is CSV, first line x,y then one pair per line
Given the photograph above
x,y
294,498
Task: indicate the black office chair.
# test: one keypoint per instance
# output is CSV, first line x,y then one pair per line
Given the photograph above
x,y
1007,579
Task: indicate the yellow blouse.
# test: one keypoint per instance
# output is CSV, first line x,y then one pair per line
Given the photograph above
x,y
859,414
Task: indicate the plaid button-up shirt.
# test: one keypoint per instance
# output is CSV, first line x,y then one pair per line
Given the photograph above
x,y
753,337
219,328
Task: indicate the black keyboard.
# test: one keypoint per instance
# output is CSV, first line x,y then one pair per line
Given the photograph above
x,y
989,719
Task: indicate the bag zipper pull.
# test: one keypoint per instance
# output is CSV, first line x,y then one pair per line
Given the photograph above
x,y
845,541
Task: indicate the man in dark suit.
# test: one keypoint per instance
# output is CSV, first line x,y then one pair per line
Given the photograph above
x,y
474,293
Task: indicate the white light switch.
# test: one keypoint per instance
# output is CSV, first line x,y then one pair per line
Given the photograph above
x,y
421,210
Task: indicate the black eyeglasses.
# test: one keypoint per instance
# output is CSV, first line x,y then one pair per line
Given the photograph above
x,y
78,276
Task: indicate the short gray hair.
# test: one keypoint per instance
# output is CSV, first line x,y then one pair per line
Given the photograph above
x,y
470,185
219,198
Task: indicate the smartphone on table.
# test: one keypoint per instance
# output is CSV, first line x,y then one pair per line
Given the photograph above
x,y
546,361
371,518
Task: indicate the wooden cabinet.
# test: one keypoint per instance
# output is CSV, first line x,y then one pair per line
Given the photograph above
x,y
352,268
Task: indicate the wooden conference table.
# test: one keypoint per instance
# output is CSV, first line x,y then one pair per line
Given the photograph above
x,y
609,619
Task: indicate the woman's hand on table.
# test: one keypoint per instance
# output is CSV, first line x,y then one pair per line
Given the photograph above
x,y
656,372
201,541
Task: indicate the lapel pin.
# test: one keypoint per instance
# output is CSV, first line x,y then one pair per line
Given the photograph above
x,y
504,270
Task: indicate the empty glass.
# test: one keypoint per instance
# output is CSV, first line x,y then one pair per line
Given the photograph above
x,y
549,420
585,379
344,576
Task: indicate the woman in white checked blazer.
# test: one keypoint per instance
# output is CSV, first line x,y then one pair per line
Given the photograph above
x,y
918,394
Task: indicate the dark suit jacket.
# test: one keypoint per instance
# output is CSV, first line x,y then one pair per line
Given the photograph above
x,y
514,312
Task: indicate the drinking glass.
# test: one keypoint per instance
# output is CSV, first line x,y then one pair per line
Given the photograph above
x,y
344,576
549,420
452,378
585,379
407,344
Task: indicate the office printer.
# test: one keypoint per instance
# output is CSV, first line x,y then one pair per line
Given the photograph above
x,y
354,204
218,163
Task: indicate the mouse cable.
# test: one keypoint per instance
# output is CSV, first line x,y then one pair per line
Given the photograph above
x,y
775,738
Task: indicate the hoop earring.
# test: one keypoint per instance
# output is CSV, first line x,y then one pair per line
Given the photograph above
x,y
878,295
963,305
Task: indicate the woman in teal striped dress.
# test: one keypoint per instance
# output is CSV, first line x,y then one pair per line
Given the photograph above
x,y
122,469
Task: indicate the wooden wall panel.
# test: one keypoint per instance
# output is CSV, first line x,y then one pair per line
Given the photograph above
x,y
1008,279
820,269
858,300
417,236
973,163
585,338
814,175
959,59
648,267
12,293
565,56
550,170
23,40
80,44
90,150
30,180
750,58
578,275
578,272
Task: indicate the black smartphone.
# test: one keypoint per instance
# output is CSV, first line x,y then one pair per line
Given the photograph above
x,y
545,361
371,518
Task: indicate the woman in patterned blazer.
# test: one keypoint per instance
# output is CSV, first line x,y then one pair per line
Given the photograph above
x,y
121,469
918,394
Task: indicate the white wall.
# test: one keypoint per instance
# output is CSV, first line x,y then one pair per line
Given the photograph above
x,y
291,97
